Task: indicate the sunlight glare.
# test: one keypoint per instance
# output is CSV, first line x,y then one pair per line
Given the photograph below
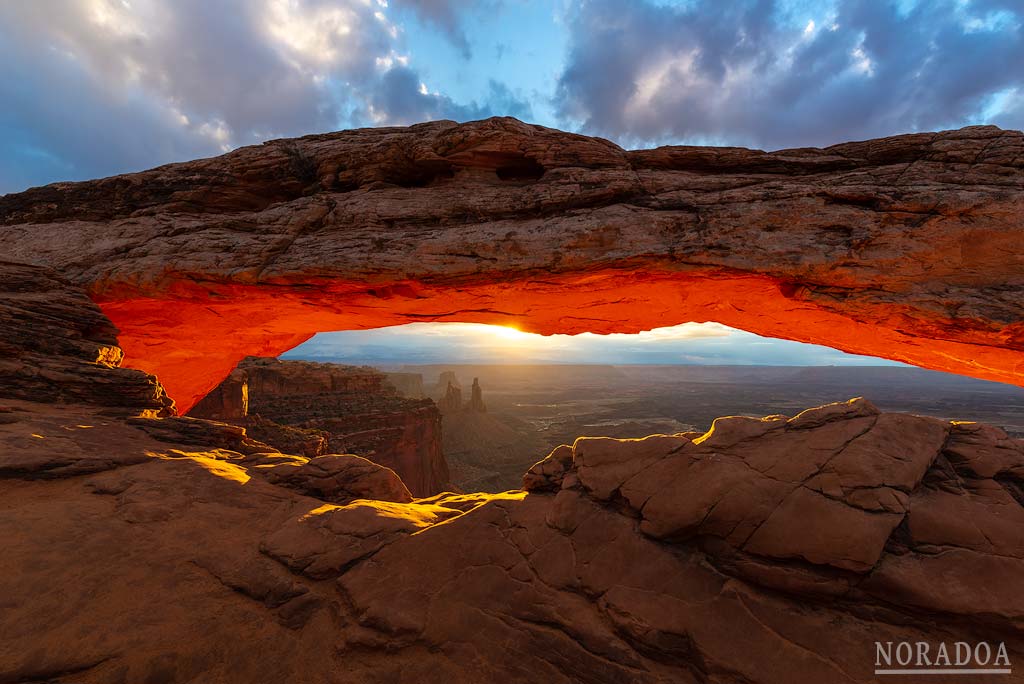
x,y
508,333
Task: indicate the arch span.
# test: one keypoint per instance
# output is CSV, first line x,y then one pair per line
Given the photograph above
x,y
909,248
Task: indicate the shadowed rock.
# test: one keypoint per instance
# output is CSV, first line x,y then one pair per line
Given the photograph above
x,y
762,551
57,346
340,478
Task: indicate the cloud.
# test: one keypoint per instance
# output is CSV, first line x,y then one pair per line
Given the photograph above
x,y
402,98
98,87
772,75
445,15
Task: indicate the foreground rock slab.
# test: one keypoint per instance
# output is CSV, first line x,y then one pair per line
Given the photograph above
x,y
773,550
906,247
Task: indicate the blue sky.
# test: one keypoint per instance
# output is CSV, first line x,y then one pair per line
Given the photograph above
x,y
91,88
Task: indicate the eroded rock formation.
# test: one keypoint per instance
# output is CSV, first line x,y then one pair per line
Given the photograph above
x,y
145,547
451,402
476,398
906,247
318,408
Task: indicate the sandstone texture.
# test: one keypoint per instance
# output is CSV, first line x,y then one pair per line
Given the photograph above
x,y
908,247
324,408
775,550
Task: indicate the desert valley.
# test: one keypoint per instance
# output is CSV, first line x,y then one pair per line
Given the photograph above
x,y
525,411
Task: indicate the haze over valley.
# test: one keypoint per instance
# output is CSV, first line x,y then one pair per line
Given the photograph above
x,y
532,407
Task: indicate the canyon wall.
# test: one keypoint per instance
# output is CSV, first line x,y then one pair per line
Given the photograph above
x,y
907,247
329,408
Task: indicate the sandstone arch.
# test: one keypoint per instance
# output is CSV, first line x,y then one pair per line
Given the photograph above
x,y
908,247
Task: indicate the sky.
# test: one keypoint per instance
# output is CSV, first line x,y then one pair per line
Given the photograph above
x,y
689,343
98,87
91,88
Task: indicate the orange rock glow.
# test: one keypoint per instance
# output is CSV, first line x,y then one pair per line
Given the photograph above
x,y
193,336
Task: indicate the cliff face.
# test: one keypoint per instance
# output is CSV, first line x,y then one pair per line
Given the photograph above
x,y
227,401
905,247
315,408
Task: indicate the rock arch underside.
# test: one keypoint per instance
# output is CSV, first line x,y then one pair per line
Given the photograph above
x,y
144,546
909,248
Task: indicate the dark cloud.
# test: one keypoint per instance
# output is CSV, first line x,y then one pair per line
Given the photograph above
x,y
97,87
59,120
94,87
748,73
405,100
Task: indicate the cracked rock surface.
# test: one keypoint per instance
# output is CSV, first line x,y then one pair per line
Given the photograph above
x,y
773,550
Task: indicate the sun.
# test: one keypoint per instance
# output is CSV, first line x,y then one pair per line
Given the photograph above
x,y
508,333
